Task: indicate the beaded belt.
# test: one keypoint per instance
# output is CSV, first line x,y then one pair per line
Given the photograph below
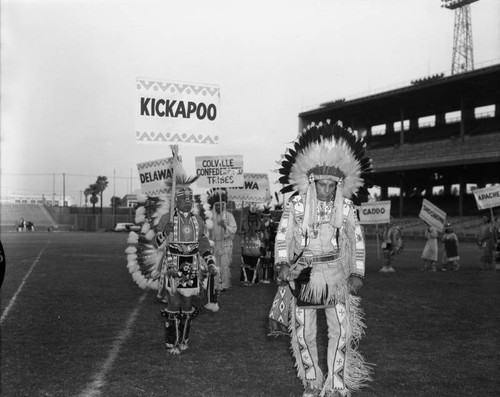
x,y
325,258
183,249
320,258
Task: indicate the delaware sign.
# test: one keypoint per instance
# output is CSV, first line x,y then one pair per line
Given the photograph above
x,y
487,197
154,175
219,171
375,212
432,215
255,189
176,113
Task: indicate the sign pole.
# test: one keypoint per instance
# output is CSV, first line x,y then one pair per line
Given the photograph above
x,y
378,242
175,155
241,215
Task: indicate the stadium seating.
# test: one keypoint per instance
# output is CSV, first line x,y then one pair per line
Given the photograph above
x,y
11,214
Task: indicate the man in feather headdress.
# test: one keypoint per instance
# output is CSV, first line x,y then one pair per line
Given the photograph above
x,y
187,261
320,255
222,233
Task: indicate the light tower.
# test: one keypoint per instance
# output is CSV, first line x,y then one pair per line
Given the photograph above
x,y
463,55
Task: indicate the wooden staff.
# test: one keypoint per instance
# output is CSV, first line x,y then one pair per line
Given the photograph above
x,y
175,155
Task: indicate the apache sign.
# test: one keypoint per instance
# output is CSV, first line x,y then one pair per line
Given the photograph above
x,y
432,215
255,189
176,113
487,197
154,174
375,212
220,171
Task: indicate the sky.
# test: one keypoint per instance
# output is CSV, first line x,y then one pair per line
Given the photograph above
x,y
68,72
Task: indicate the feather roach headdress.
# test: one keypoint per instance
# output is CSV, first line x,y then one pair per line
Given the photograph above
x,y
182,185
327,151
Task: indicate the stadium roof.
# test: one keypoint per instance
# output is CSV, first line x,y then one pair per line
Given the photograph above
x,y
480,87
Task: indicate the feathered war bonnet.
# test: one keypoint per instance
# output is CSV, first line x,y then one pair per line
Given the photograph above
x,y
215,196
326,151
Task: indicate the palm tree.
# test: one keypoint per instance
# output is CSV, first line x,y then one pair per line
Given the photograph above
x,y
87,192
115,201
94,191
102,184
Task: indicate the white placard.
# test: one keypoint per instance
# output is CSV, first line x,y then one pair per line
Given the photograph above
x,y
219,171
375,212
154,176
176,113
432,215
255,189
487,197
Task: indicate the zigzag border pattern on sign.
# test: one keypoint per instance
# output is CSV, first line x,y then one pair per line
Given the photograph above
x,y
156,192
176,88
167,137
256,176
153,164
238,197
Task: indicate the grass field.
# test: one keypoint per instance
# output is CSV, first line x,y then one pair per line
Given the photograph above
x,y
73,323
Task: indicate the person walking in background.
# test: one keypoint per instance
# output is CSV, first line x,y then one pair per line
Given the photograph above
x,y
222,234
450,252
320,258
497,251
253,247
430,252
487,241
392,244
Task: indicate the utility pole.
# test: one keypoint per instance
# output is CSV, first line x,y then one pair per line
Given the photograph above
x,y
64,190
113,201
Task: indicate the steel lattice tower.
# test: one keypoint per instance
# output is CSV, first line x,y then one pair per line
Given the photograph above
x,y
463,54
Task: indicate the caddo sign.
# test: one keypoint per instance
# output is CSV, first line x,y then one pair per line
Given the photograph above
x,y
255,189
375,212
154,175
176,113
487,197
432,215
219,171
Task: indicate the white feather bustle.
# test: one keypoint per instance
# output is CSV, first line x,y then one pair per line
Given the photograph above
x,y
209,223
141,198
163,208
133,238
145,228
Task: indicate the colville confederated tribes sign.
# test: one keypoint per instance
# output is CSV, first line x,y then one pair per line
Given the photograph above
x,y
176,113
219,171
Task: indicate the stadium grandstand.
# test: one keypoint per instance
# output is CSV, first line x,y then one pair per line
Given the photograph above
x,y
436,138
